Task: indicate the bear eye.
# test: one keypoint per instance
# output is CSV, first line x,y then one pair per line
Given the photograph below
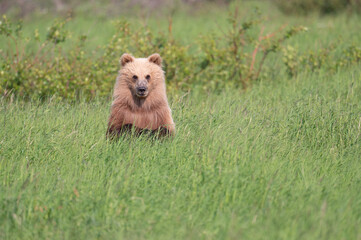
x,y
147,77
135,77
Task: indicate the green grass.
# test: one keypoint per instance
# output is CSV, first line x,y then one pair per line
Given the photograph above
x,y
281,161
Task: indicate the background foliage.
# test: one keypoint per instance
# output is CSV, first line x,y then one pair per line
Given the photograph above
x,y
23,8
262,154
57,60
318,6
227,61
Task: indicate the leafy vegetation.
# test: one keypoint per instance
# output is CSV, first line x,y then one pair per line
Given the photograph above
x,y
235,57
320,6
324,59
230,60
270,153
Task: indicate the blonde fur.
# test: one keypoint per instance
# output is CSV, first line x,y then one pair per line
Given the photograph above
x,y
127,109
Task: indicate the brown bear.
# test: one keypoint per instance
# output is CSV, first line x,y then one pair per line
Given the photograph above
x,y
139,99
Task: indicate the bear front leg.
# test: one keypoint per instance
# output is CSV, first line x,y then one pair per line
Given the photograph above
x,y
163,131
115,126
167,127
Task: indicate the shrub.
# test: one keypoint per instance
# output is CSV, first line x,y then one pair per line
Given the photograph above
x,y
237,58
325,58
322,6
233,60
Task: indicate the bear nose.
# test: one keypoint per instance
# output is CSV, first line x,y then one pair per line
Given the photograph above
x,y
142,89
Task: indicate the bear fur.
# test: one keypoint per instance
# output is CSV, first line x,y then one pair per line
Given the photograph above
x,y
139,98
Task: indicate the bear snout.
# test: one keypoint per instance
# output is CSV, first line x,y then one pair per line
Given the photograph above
x,y
142,91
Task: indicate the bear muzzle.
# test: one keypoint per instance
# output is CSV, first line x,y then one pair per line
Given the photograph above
x,y
142,91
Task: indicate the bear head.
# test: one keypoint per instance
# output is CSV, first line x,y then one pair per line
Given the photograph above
x,y
142,75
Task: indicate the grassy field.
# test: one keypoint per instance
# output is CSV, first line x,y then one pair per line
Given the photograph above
x,y
281,162
278,161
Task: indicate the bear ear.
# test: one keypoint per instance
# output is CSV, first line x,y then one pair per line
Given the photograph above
x,y
155,58
126,58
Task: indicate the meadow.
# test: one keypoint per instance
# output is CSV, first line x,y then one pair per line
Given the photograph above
x,y
277,160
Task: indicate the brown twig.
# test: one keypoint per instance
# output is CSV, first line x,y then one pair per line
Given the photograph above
x,y
261,63
265,51
254,54
170,25
274,33
16,47
37,56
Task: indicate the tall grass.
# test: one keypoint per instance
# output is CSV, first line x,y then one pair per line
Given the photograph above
x,y
281,162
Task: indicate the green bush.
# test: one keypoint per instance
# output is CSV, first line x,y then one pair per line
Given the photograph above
x,y
325,58
233,60
322,6
52,71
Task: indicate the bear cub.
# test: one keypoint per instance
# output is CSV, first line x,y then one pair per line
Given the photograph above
x,y
139,98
